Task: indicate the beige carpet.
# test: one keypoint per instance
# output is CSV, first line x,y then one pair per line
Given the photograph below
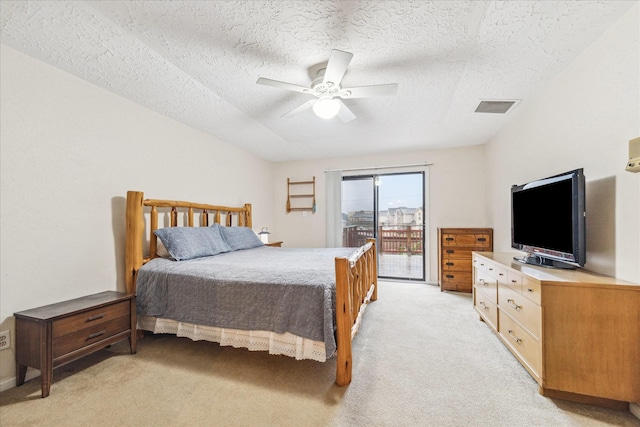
x,y
421,358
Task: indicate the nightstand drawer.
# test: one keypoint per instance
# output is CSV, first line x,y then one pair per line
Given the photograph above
x,y
76,340
90,318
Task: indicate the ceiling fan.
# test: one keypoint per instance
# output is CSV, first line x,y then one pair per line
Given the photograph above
x,y
327,90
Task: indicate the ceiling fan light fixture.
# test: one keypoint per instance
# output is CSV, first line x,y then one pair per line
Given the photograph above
x,y
326,108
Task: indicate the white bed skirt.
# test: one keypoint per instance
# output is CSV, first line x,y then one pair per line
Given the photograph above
x,y
285,344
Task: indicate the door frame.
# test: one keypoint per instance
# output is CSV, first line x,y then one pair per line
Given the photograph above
x,y
425,270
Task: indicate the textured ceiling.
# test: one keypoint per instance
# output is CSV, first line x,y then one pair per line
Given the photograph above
x,y
198,62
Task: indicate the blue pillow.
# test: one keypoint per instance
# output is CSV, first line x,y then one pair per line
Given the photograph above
x,y
239,238
185,243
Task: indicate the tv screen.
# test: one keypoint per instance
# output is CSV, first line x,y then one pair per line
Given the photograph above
x,y
548,220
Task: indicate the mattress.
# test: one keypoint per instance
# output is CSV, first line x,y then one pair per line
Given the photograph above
x,y
274,294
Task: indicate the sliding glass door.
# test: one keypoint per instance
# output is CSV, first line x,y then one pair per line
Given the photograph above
x,y
390,208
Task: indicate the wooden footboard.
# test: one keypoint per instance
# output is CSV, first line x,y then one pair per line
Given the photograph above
x,y
356,276
356,286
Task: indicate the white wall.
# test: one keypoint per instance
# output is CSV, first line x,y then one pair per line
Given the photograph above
x,y
456,193
585,118
70,152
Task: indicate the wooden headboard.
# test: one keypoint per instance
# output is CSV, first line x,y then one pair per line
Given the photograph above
x,y
139,250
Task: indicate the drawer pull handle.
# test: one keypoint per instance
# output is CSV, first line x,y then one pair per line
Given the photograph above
x,y
449,251
484,283
529,290
514,337
448,238
96,335
490,268
500,274
449,276
449,263
482,239
513,304
484,305
96,317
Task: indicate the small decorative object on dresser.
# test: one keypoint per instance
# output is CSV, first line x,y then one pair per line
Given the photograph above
x,y
454,255
52,335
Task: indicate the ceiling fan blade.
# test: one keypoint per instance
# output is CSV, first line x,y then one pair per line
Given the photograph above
x,y
345,114
337,66
369,91
301,108
283,85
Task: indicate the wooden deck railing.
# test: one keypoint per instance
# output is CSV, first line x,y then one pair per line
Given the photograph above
x,y
402,239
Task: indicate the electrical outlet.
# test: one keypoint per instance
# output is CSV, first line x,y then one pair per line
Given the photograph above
x,y
5,340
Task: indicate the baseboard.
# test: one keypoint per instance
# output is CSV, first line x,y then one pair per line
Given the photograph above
x,y
11,382
634,408
582,398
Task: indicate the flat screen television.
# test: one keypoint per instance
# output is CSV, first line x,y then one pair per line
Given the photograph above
x,y
548,220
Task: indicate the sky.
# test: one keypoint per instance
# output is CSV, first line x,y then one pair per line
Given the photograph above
x,y
396,190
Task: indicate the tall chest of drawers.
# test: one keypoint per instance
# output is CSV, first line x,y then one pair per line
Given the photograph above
x,y
454,255
575,332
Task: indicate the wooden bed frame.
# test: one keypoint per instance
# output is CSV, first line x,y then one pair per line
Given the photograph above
x,y
356,276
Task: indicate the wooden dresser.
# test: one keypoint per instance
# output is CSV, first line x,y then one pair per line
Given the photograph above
x,y
454,255
577,333
52,335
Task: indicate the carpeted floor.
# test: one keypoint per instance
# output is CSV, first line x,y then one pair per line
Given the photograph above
x,y
422,358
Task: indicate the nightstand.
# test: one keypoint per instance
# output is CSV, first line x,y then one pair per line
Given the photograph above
x,y
274,244
52,335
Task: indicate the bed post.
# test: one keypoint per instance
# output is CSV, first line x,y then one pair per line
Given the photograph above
x,y
343,323
247,215
373,265
134,234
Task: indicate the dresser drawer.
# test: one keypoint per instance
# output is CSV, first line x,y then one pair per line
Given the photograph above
x,y
456,264
521,342
501,274
531,290
486,307
514,280
483,264
473,240
89,335
521,309
89,318
488,285
457,253
457,280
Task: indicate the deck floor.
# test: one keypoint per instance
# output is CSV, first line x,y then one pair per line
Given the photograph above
x,y
400,266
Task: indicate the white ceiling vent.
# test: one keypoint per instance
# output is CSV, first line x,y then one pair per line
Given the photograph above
x,y
497,107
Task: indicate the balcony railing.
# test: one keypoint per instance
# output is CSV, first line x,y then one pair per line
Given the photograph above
x,y
400,239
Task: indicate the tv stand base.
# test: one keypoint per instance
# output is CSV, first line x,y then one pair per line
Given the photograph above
x,y
540,261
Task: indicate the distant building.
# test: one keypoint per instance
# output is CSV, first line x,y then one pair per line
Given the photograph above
x,y
391,217
401,216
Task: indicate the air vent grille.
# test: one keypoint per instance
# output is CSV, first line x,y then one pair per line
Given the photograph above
x,y
496,107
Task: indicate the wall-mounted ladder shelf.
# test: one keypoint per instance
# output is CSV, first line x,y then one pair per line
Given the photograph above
x,y
311,197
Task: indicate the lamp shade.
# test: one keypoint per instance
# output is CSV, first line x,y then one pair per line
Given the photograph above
x,y
264,235
326,108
